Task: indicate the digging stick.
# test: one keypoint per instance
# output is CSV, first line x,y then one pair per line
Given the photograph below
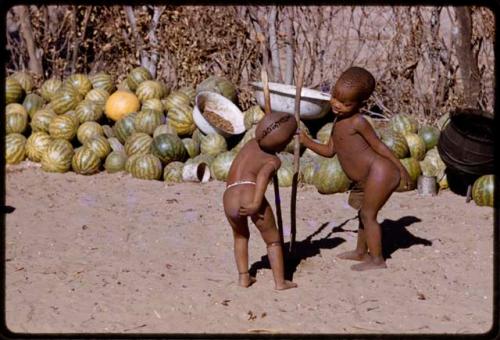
x,y
267,110
296,159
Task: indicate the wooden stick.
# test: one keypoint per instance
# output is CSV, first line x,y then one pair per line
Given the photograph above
x,y
296,158
277,200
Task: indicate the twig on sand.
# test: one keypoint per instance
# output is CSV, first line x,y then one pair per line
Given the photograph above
x,y
262,330
129,329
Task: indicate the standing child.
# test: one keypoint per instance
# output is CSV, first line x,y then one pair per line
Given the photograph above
x,y
365,160
248,178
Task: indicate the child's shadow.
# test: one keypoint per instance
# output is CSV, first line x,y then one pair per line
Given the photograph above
x,y
303,250
395,235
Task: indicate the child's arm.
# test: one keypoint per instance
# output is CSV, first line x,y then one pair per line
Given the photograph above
x,y
325,150
366,130
263,178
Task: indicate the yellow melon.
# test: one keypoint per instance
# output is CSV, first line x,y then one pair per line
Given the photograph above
x,y
121,103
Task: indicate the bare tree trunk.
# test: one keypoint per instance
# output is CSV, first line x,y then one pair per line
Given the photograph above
x,y
273,45
35,63
80,39
289,55
466,58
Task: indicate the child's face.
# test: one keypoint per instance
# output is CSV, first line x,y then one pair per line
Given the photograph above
x,y
345,102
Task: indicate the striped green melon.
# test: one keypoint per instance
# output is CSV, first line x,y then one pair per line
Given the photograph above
x,y
219,85
16,122
323,134
125,127
190,92
252,116
13,91
219,168
88,111
285,174
152,104
205,158
308,171
49,88
32,103
416,145
41,120
181,119
65,100
85,162
63,127
115,162
115,144
25,80
433,165
80,82
130,162
149,89
137,76
403,123
99,145
413,167
98,95
396,142
15,148
72,114
172,173
168,148
57,157
483,190
16,108
430,135
164,128
36,145
175,99
147,167
147,121
165,90
102,81
311,155
213,144
88,130
330,178
192,147
138,143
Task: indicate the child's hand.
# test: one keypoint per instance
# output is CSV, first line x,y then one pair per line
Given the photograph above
x,y
302,136
249,209
405,177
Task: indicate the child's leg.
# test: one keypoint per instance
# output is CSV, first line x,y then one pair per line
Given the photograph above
x,y
241,235
361,251
382,180
264,220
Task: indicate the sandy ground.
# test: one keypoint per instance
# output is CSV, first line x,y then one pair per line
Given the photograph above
x,y
110,253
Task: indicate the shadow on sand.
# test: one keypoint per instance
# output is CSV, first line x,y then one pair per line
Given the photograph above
x,y
394,236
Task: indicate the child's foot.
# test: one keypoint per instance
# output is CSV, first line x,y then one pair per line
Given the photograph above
x,y
353,255
245,280
369,264
285,285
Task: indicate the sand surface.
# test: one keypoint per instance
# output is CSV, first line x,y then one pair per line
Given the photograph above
x,y
110,253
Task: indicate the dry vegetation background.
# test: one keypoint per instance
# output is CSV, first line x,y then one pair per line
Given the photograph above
x,y
427,60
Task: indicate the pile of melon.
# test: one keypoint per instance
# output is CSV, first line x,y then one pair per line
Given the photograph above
x,y
90,123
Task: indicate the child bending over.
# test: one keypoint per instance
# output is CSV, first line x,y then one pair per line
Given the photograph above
x,y
248,178
366,161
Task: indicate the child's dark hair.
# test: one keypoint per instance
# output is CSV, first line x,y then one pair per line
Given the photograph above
x,y
358,78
